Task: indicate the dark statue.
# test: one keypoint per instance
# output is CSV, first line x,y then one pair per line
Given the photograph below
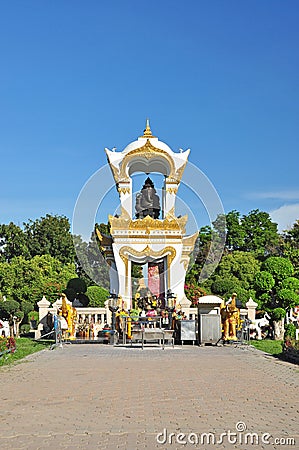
x,y
147,201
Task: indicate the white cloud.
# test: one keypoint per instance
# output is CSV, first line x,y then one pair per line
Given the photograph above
x,y
280,195
285,216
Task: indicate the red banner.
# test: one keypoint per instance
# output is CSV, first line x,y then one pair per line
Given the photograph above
x,y
154,279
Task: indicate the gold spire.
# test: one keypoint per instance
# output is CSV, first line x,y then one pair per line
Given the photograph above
x,y
147,134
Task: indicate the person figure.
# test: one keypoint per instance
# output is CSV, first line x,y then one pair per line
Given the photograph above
x,y
63,325
97,328
57,328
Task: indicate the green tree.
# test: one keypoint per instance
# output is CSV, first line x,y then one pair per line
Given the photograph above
x,y
276,287
90,260
235,273
28,280
10,310
208,250
241,265
97,296
235,232
260,233
50,235
290,283
200,253
280,268
292,235
287,298
13,242
254,232
264,281
291,246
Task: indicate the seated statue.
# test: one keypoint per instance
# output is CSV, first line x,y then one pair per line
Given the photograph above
x,y
147,201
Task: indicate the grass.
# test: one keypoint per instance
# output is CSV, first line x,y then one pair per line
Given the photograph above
x,y
24,347
268,346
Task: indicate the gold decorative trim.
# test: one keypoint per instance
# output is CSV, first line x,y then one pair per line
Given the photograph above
x,y
147,151
124,213
171,213
123,190
99,234
148,224
147,132
169,252
171,190
185,262
188,246
115,172
105,241
147,251
190,240
146,238
178,174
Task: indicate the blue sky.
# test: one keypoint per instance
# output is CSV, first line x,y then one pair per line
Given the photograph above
x,y
219,77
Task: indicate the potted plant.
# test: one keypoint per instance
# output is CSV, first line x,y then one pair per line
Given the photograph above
x,y
33,318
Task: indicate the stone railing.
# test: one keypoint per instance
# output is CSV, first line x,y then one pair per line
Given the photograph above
x,y
83,314
207,305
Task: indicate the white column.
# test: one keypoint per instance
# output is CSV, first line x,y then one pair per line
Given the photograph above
x,y
43,306
251,308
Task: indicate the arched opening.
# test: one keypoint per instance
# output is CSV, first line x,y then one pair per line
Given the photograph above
x,y
153,165
149,280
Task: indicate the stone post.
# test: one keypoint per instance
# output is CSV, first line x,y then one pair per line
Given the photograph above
x,y
251,308
43,306
108,312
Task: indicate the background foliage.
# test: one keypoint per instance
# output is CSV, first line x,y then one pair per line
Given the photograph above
x,y
40,258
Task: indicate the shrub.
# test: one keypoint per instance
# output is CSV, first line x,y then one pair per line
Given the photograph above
x,y
25,328
33,315
279,268
290,331
287,297
193,293
264,281
278,314
78,285
290,283
97,296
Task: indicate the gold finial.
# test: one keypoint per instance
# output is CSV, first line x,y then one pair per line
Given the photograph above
x,y
147,134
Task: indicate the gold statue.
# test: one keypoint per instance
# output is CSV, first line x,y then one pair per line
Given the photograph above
x,y
70,315
74,321
230,317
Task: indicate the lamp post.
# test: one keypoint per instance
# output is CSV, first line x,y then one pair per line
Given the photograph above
x,y
170,297
113,307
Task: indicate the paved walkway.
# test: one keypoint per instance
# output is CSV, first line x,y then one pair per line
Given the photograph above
x,y
98,397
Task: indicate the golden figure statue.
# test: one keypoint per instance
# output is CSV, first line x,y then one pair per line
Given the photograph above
x,y
230,317
70,315
74,321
